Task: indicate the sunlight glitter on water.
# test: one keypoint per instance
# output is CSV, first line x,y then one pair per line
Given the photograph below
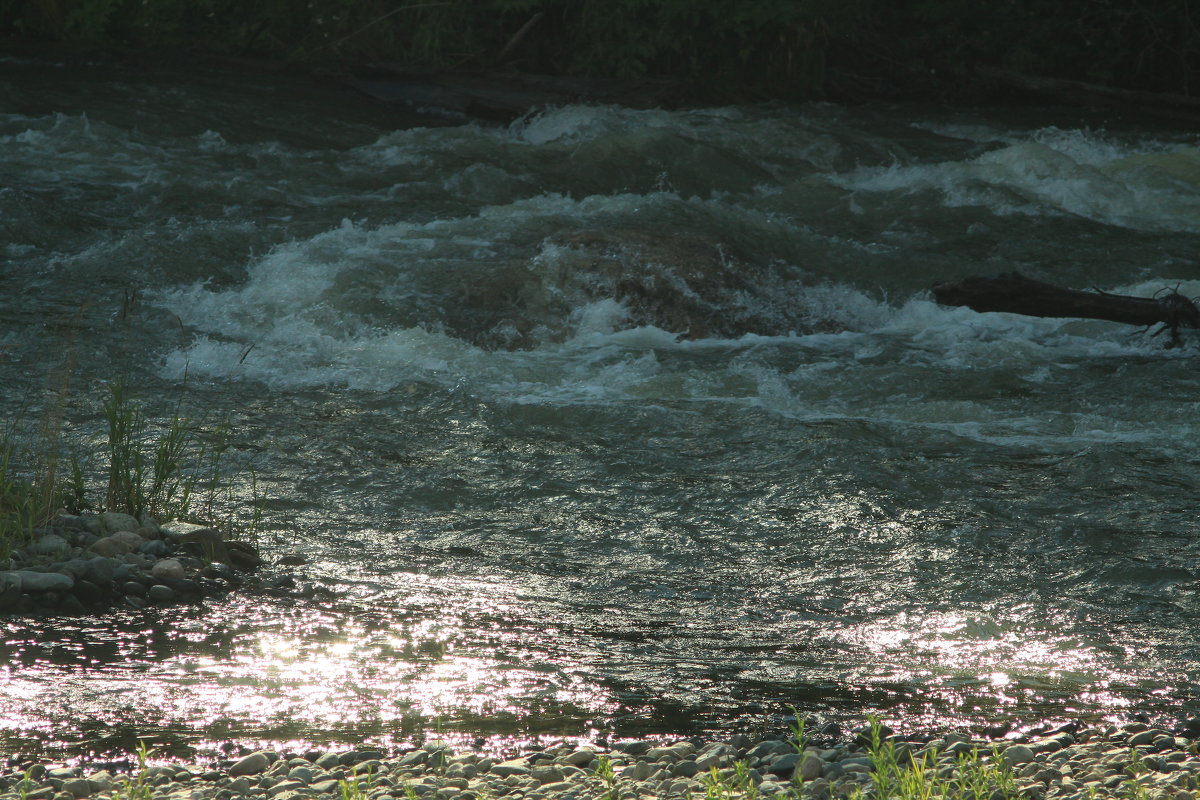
x,y
996,657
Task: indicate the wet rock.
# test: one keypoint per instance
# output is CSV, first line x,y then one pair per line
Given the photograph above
x,y
243,556
88,593
133,588
67,603
158,593
44,581
168,568
181,587
252,764
10,590
115,521
118,544
211,545
810,765
1017,754
218,570
100,570
156,548
633,748
77,787
50,544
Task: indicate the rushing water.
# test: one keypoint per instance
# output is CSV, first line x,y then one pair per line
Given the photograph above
x,y
610,420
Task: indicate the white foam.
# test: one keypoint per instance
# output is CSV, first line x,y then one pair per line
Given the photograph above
x,y
1143,185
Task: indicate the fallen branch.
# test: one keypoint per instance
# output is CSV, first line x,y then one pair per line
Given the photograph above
x,y
1015,294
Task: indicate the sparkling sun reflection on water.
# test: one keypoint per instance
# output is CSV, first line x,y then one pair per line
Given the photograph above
x,y
323,676
980,662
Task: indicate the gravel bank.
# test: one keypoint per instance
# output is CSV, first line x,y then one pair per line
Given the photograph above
x,y
1073,761
81,564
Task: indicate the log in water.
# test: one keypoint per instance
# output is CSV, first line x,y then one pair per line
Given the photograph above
x,y
1015,294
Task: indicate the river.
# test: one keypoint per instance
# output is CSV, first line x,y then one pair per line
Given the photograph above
x,y
609,421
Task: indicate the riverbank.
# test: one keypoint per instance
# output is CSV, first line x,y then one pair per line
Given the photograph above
x,y
1072,762
80,564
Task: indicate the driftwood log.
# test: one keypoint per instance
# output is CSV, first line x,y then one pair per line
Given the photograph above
x,y
1015,294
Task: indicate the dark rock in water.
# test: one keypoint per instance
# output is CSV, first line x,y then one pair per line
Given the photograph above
x,y
206,542
45,581
685,282
158,593
291,561
181,586
284,581
10,591
133,588
70,604
100,570
217,570
243,556
633,748
360,756
88,593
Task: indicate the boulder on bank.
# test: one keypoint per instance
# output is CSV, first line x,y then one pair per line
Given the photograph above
x,y
212,545
66,568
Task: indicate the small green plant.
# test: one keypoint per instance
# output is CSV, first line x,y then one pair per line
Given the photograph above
x,y
354,787
1135,766
1134,790
605,772
138,787
25,784
799,738
159,484
17,504
181,471
896,776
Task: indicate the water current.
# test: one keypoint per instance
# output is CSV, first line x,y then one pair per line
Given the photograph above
x,y
609,421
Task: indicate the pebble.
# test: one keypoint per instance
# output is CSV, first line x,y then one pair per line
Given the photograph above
x,y
1093,763
82,564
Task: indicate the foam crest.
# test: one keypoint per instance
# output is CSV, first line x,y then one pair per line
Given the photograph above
x,y
1144,185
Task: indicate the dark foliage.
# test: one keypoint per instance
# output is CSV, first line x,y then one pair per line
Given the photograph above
x,y
727,49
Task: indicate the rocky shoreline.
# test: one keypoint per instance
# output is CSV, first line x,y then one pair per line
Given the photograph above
x,y
84,563
1072,762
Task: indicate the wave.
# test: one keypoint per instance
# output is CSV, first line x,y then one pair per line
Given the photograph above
x,y
1152,186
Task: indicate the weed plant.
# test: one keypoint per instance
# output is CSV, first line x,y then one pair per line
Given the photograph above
x,y
183,471
174,470
136,787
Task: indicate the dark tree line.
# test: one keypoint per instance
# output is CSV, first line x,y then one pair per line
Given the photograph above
x,y
720,49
